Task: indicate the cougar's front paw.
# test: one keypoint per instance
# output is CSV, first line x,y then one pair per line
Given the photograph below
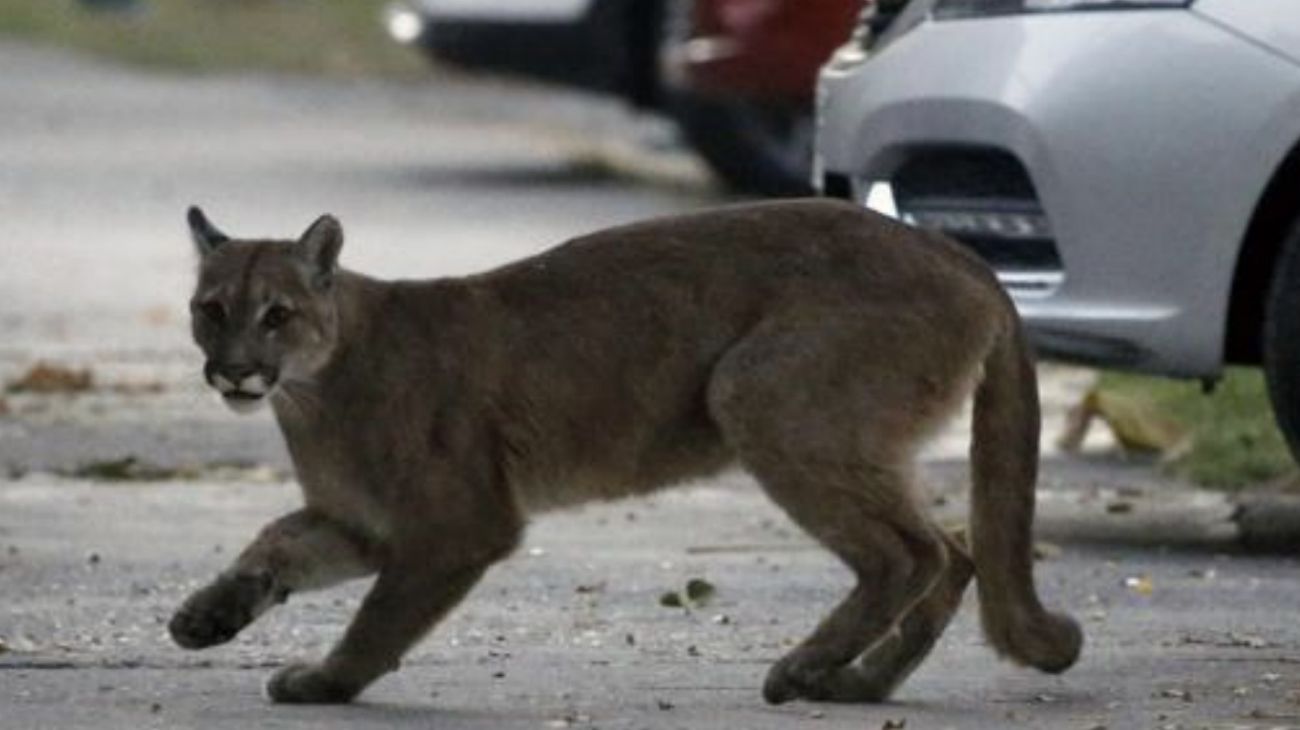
x,y
308,684
215,614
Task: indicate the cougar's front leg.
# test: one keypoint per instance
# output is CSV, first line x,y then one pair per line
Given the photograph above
x,y
301,551
418,585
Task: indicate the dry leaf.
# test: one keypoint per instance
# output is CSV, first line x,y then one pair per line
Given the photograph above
x,y
159,316
130,468
1119,507
44,377
1140,585
699,591
1137,425
151,387
1046,550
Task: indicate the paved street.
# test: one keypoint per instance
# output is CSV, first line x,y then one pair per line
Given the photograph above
x,y
97,165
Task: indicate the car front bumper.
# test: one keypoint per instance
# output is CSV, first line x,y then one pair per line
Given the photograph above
x,y
1144,139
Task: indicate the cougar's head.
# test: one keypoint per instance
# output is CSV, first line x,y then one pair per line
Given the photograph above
x,y
263,311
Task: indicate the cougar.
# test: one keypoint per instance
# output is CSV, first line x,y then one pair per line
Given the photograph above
x,y
812,343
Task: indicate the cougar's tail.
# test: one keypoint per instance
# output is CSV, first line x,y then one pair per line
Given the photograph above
x,y
1004,464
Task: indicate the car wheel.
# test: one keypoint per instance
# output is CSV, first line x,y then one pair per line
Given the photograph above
x,y
1281,342
754,147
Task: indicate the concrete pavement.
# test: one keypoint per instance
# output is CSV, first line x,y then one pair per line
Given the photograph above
x,y
570,632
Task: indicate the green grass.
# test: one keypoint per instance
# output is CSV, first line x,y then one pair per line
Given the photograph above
x,y
1235,442
328,37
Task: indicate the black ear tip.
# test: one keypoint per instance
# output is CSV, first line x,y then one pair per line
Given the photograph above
x,y
195,215
326,225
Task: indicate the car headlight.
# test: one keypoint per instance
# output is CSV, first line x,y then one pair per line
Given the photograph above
x,y
879,21
950,9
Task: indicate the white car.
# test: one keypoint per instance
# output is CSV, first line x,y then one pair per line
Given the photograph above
x,y
1130,168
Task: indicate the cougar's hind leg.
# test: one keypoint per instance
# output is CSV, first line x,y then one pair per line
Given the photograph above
x,y
885,666
829,429
896,561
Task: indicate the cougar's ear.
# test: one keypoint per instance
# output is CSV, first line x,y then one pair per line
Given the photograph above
x,y
319,247
206,236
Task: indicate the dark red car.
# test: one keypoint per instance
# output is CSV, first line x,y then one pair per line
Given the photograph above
x,y
737,75
740,76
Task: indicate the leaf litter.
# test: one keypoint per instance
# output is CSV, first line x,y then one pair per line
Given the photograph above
x,y
48,378
695,594
134,469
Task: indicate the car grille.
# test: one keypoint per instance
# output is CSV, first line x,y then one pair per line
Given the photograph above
x,y
980,196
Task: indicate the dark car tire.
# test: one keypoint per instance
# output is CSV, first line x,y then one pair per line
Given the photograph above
x,y
1281,340
753,147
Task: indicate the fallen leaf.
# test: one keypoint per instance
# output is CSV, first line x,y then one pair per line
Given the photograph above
x,y
1251,642
47,378
1119,507
126,469
150,387
699,591
1140,585
1136,424
1046,551
158,316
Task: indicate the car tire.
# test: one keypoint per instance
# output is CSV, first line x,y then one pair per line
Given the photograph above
x,y
753,147
1281,340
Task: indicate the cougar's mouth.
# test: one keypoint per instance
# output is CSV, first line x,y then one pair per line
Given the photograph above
x,y
242,402
246,395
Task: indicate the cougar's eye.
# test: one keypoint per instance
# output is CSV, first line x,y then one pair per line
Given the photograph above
x,y
211,310
276,316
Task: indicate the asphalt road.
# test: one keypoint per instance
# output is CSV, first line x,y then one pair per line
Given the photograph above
x,y
97,164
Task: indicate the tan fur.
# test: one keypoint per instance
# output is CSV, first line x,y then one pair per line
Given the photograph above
x,y
813,343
